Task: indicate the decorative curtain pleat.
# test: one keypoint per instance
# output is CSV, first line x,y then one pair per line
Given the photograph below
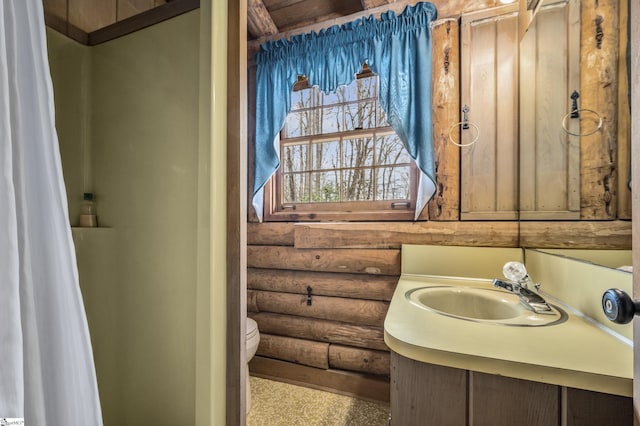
x,y
47,374
397,48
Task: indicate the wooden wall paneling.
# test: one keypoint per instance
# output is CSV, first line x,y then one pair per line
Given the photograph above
x,y
343,382
56,16
361,261
355,286
478,90
393,234
300,351
552,99
57,8
358,359
497,400
599,92
270,233
128,8
455,8
488,65
578,234
353,311
307,12
107,22
527,119
624,121
440,401
370,4
550,157
506,114
145,19
574,29
445,204
321,330
236,208
595,408
90,15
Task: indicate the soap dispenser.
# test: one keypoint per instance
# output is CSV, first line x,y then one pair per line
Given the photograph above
x,y
88,218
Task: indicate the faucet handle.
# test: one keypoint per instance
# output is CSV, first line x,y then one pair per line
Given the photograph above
x,y
515,271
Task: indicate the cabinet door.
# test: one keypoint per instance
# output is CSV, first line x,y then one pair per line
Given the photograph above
x,y
585,408
497,400
489,87
549,74
427,394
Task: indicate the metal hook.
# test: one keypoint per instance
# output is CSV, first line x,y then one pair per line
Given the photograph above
x,y
309,295
575,111
465,117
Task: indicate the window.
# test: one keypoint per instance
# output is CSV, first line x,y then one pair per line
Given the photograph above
x,y
340,159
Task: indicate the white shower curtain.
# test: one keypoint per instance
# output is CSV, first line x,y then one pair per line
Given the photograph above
x,y
47,374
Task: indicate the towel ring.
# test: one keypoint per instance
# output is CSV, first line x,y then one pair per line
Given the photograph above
x,y
464,123
564,122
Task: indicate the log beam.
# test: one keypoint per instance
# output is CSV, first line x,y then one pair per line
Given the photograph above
x,y
300,351
363,360
353,311
337,381
354,286
259,22
270,233
370,4
327,331
362,261
581,234
393,235
599,92
445,204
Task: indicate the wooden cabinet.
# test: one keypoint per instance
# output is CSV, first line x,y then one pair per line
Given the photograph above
x,y
497,400
523,165
489,88
427,394
549,76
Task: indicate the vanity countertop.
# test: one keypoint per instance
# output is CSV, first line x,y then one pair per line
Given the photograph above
x,y
578,352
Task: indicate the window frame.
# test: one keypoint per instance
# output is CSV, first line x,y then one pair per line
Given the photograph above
x,y
386,210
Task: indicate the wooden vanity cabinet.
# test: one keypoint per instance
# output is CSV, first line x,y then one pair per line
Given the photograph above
x,y
428,394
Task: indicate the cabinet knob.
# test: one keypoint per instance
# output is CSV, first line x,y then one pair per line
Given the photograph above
x,y
618,306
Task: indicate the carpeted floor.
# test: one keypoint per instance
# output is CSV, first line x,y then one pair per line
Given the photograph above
x,y
281,404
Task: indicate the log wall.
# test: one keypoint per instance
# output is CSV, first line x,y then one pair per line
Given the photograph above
x,y
321,309
337,341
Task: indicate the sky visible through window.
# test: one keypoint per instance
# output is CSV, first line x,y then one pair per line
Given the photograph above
x,y
338,147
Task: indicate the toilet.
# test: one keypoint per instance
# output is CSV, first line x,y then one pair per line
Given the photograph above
x,y
253,339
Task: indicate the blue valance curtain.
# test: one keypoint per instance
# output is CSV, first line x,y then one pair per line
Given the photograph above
x,y
397,48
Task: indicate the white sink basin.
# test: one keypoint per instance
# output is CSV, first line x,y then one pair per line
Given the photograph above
x,y
481,305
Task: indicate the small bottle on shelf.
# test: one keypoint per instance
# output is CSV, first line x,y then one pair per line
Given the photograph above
x,y
88,217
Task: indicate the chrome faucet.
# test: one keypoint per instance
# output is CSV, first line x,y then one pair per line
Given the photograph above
x,y
517,282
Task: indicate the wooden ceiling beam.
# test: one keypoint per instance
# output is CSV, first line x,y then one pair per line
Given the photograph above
x,y
370,4
259,21
446,9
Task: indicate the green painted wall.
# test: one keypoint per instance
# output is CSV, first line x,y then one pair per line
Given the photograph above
x,y
128,117
71,73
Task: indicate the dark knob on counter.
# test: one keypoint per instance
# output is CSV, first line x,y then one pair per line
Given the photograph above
x,y
618,306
